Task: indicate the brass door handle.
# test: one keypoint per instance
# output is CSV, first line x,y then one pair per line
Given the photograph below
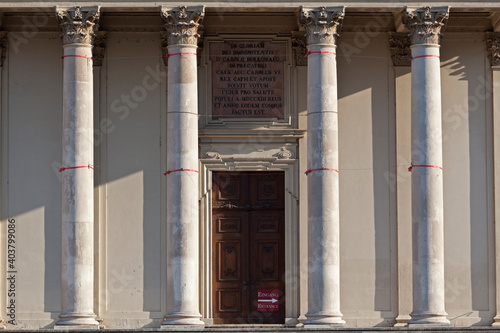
x,y
244,285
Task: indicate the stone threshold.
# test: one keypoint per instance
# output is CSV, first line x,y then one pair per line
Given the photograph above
x,y
283,328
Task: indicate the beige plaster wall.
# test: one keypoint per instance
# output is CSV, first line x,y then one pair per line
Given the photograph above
x,y
32,187
367,210
468,195
134,242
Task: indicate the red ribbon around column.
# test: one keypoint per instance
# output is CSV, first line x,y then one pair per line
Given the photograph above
x,y
423,166
182,53
77,167
168,172
75,56
308,53
320,169
426,56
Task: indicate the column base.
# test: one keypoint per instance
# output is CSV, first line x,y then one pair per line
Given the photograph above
x,y
324,320
426,319
402,321
182,321
186,328
77,321
76,327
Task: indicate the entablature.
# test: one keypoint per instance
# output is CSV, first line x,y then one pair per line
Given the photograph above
x,y
238,17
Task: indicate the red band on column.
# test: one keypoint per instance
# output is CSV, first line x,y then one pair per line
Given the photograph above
x,y
311,170
184,53
308,53
75,56
426,56
423,166
166,173
76,167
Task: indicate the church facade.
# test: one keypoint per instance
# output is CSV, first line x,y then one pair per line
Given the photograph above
x,y
189,165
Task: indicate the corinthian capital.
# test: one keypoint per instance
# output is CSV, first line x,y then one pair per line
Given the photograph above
x,y
99,48
493,45
322,24
78,25
426,24
3,52
399,43
182,24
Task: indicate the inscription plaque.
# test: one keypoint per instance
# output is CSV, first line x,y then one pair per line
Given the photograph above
x,y
248,79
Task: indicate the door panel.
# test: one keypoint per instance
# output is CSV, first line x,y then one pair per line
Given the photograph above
x,y
248,247
230,249
267,246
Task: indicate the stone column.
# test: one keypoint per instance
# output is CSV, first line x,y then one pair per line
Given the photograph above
x,y
322,25
425,26
77,274
493,46
181,32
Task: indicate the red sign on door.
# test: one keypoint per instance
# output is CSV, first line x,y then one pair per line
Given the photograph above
x,y
267,300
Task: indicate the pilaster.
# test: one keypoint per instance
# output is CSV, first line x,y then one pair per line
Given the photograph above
x,y
400,182
98,53
322,26
493,46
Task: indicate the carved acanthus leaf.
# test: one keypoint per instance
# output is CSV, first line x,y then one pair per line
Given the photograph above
x,y
493,45
78,25
182,25
99,48
3,47
426,24
400,48
322,24
299,45
164,50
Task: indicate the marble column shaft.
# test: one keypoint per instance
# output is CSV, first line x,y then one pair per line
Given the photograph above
x,y
425,26
322,160
181,25
77,276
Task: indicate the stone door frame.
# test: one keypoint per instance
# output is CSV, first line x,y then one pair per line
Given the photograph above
x,y
221,158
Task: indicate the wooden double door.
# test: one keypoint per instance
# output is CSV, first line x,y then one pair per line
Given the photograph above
x,y
248,225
